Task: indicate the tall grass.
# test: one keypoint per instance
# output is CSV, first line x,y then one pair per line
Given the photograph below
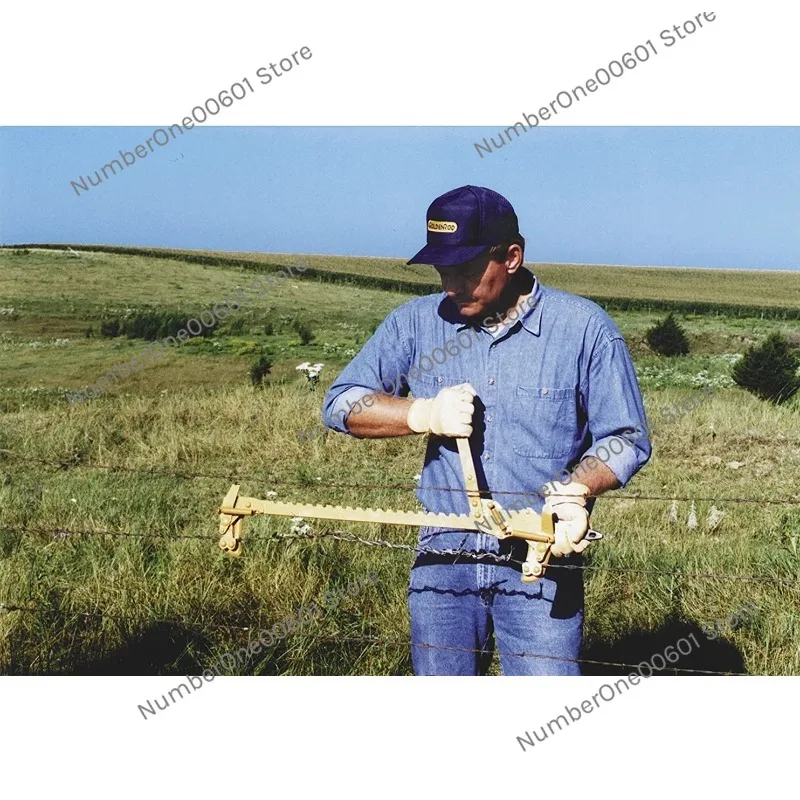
x,y
139,583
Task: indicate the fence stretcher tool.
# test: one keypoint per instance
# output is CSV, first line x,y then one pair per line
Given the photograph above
x,y
486,516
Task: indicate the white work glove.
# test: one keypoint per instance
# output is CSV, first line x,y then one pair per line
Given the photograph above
x,y
447,414
568,503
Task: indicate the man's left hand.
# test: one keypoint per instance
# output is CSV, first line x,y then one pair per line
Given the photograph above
x,y
568,503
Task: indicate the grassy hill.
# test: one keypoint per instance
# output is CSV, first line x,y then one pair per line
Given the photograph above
x,y
151,462
735,292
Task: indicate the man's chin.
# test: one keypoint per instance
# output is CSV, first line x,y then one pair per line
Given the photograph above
x,y
470,311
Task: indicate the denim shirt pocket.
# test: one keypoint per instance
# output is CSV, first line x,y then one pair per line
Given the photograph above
x,y
544,422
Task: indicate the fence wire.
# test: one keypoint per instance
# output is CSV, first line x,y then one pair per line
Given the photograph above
x,y
237,477
346,536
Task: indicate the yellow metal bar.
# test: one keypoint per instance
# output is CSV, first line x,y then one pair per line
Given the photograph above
x,y
485,515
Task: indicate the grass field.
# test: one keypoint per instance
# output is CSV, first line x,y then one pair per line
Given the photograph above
x,y
131,462
736,292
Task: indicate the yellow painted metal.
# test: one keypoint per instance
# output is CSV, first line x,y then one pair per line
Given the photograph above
x,y
487,516
230,524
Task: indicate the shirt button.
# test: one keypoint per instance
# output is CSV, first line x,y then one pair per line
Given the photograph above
x,y
488,417
545,391
491,381
486,457
438,380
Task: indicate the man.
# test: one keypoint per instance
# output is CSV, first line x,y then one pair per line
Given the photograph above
x,y
538,394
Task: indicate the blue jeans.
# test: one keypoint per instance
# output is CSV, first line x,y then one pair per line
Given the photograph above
x,y
459,603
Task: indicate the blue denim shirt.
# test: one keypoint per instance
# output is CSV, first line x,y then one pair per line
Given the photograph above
x,y
551,389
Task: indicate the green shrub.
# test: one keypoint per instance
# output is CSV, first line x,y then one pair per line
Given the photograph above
x,y
109,327
143,326
304,332
269,328
769,370
668,338
236,325
150,325
259,370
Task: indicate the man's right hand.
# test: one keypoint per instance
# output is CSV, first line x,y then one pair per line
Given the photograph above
x,y
568,503
447,414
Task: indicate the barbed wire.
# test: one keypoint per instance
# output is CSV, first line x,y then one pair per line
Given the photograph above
x,y
58,533
200,624
236,477
521,654
340,535
9,608
346,536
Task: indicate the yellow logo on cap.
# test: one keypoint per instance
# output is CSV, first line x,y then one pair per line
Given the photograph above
x,y
442,227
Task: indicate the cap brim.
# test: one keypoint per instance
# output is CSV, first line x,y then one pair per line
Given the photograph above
x,y
447,255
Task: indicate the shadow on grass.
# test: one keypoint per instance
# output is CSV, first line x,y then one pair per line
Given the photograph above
x,y
713,655
167,649
161,649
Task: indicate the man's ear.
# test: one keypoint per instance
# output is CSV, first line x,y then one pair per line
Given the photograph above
x,y
514,258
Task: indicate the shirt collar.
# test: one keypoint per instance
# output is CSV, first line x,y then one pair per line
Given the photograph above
x,y
532,318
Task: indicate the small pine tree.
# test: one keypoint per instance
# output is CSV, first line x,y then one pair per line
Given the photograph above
x,y
304,332
668,338
769,370
259,370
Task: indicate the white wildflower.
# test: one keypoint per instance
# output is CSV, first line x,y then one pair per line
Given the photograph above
x,y
673,513
273,494
299,526
311,371
692,523
715,516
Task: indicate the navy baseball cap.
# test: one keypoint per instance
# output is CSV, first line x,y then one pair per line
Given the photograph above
x,y
464,223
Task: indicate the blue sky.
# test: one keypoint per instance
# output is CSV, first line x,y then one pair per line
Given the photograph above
x,y
707,197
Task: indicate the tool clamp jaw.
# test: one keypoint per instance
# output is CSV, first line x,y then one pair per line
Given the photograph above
x,y
490,517
231,519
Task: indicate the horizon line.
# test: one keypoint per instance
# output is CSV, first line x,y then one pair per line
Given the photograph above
x,y
402,258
